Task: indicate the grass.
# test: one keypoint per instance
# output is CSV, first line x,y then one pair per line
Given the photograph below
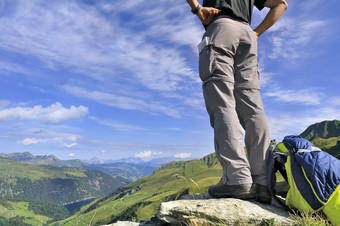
x,y
20,209
150,191
310,219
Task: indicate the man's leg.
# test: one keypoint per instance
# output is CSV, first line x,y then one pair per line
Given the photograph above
x,y
250,110
257,138
220,103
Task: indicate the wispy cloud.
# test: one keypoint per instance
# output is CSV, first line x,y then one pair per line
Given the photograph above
x,y
293,36
46,137
123,102
294,123
303,96
335,101
4,103
296,35
117,125
142,52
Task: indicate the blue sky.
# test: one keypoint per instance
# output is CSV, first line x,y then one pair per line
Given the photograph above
x,y
118,79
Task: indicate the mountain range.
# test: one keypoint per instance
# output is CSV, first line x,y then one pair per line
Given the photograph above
x,y
136,201
128,168
139,200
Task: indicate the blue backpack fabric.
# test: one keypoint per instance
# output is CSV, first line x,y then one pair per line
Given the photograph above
x,y
312,174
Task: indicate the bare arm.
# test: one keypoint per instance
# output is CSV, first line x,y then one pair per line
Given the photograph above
x,y
277,8
205,14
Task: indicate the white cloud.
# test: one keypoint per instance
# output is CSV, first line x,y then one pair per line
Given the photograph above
x,y
147,154
65,145
31,141
54,114
57,114
144,154
183,155
71,155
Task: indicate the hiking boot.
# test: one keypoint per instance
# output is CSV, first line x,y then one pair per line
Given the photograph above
x,y
241,191
263,194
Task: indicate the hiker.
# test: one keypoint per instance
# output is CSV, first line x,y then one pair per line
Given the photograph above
x,y
229,72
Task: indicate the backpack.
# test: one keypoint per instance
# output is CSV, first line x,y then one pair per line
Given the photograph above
x,y
313,177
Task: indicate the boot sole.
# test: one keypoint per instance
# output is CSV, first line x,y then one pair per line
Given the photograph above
x,y
263,199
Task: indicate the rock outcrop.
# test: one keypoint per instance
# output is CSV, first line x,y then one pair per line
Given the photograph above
x,y
204,210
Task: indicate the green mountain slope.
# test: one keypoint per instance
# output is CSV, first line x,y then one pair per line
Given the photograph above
x,y
139,200
325,135
35,194
330,145
31,212
48,183
325,129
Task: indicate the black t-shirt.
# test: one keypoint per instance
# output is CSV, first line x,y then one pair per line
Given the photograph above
x,y
241,9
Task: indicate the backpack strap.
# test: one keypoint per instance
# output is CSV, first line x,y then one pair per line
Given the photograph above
x,y
276,162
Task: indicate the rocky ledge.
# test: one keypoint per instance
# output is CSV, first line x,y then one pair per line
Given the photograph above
x,y
203,210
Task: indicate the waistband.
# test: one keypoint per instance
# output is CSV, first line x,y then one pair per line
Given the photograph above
x,y
227,15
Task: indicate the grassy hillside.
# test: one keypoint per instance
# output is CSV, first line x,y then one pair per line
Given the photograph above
x,y
10,169
330,145
30,212
48,183
139,200
35,194
325,135
324,129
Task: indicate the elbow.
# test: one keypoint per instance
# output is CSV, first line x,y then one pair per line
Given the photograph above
x,y
285,5
278,4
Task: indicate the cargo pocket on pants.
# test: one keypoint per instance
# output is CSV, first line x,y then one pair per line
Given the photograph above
x,y
205,63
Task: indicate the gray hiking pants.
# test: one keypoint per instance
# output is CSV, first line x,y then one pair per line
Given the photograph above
x,y
228,69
